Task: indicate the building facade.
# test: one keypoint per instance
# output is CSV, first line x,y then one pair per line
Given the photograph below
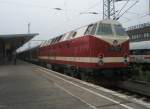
x,y
139,32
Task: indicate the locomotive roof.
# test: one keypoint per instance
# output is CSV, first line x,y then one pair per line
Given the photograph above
x,y
107,21
47,42
139,45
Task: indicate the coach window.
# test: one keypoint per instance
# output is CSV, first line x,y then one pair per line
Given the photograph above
x,y
144,35
131,37
147,35
137,37
104,29
89,29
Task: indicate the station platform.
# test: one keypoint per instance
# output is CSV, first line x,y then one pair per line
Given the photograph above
x,y
27,86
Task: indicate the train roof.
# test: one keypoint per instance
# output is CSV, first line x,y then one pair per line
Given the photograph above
x,y
107,21
139,45
59,38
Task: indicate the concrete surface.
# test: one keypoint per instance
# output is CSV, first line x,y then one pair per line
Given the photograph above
x,y
25,86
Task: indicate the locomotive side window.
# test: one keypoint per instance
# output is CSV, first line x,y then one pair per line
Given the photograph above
x,y
120,31
44,43
53,40
72,34
59,38
49,42
104,29
89,29
62,37
94,29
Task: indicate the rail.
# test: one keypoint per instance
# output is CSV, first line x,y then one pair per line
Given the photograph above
x,y
139,87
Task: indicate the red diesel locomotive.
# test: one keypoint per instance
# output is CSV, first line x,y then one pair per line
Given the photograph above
x,y
99,48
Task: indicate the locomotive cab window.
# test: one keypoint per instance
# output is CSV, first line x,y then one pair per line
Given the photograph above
x,y
104,29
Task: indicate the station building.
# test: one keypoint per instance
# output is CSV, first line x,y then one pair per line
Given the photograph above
x,y
139,32
9,44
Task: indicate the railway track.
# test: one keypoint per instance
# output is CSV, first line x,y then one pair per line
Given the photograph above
x,y
133,87
138,87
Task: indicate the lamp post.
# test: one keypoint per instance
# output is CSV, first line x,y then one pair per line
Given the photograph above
x,y
149,7
29,24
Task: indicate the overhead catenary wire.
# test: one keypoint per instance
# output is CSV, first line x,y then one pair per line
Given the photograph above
x,y
91,7
127,10
123,7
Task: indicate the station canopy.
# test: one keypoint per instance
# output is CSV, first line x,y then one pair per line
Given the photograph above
x,y
14,41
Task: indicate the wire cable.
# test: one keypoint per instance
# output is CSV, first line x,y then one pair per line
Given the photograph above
x,y
123,7
127,10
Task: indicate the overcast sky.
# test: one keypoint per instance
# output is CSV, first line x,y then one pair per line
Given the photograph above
x,y
48,22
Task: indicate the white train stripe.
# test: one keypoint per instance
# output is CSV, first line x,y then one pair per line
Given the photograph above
x,y
85,59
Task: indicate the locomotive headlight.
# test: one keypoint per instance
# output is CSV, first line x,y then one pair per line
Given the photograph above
x,y
101,56
100,62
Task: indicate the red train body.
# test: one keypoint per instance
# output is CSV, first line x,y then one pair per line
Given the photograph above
x,y
97,46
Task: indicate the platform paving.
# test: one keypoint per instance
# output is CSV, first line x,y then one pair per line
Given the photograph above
x,y
26,86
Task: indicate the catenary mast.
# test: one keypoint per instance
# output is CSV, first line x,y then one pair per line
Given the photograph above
x,y
108,9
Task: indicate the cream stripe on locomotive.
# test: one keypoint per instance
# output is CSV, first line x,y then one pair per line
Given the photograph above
x,y
85,59
110,40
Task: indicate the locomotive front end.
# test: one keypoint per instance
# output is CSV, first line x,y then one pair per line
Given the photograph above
x,y
111,45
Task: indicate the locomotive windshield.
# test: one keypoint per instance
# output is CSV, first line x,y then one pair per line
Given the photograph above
x,y
104,29
120,31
